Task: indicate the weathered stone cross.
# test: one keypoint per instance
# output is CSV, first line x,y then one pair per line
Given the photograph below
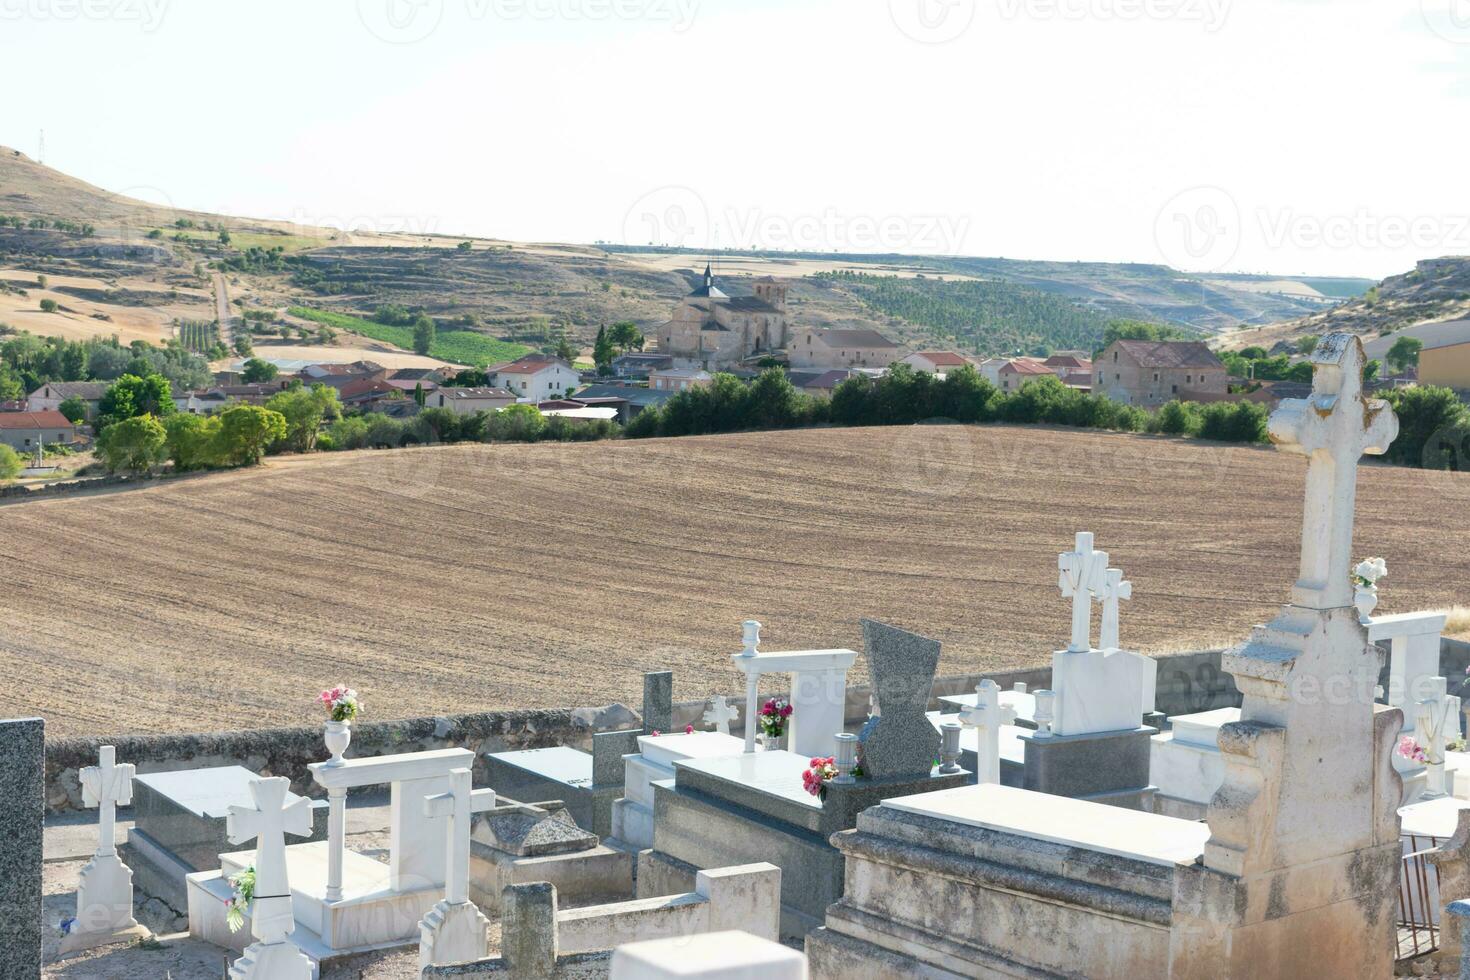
x,y
1113,591
987,716
1437,721
1333,429
107,786
1083,572
720,713
454,930
267,823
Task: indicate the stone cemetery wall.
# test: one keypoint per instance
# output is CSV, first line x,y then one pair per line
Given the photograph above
x,y
288,751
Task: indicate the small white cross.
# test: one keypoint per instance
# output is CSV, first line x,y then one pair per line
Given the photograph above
x,y
987,716
267,823
458,805
1113,590
107,786
1082,574
720,714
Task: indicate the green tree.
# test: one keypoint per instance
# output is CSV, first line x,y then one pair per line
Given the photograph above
x,y
10,464
305,409
258,371
224,237
1305,345
74,409
42,282
1433,426
602,351
133,445
244,346
1404,353
465,246
245,432
131,396
49,306
192,441
626,336
423,334
566,351
517,423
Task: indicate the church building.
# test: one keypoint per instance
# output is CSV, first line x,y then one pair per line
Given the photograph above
x,y
712,330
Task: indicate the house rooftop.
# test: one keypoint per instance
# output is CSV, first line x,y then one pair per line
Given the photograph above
x,y
34,420
855,338
87,391
531,364
944,358
1170,353
466,394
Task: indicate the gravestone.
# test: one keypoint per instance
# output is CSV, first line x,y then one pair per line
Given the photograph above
x,y
988,717
904,743
1095,749
587,783
179,826
1299,873
454,931
22,809
516,843
272,916
720,713
105,887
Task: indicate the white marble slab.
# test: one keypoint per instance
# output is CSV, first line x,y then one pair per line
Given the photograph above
x,y
1432,818
1097,691
774,773
1078,823
1202,729
665,750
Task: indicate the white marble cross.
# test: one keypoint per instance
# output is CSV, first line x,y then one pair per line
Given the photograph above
x,y
1437,723
107,786
1082,574
268,823
459,806
1333,429
1113,591
720,714
987,716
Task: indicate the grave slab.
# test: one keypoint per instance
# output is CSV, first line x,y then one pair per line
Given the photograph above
x,y
179,826
1106,767
559,773
632,814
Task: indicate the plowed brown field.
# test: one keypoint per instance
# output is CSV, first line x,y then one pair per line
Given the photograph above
x,y
471,578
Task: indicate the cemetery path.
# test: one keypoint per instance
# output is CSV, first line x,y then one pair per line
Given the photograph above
x,y
472,578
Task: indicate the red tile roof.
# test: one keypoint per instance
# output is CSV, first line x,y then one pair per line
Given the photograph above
x,y
34,420
1023,366
943,358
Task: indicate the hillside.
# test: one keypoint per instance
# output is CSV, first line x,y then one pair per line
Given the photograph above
x,y
1435,290
479,577
533,293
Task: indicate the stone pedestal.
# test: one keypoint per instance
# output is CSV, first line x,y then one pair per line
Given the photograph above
x,y
104,906
711,956
453,933
1111,768
277,961
632,814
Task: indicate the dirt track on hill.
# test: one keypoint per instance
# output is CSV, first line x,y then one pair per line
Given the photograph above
x,y
480,577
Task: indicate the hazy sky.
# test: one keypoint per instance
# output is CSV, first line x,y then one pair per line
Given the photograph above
x,y
1291,136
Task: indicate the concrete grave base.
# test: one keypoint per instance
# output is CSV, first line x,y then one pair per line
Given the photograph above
x,y
602,874
78,942
560,773
1111,768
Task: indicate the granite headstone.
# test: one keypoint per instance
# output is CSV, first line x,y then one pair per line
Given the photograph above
x,y
22,809
903,744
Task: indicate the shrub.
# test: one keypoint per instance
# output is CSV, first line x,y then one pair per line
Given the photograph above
x,y
133,445
10,464
1175,419
347,433
516,423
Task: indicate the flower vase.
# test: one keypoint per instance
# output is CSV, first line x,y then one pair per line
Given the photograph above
x,y
774,743
1366,599
338,736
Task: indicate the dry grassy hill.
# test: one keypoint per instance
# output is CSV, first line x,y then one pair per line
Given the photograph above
x,y
479,577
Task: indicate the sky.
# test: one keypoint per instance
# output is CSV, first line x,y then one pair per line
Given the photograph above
x,y
1322,137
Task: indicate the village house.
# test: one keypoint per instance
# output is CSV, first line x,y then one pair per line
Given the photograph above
x,y
536,377
1151,373
640,365
1445,359
711,329
829,350
26,431
680,379
468,401
938,362
49,396
328,373
1013,374
628,400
